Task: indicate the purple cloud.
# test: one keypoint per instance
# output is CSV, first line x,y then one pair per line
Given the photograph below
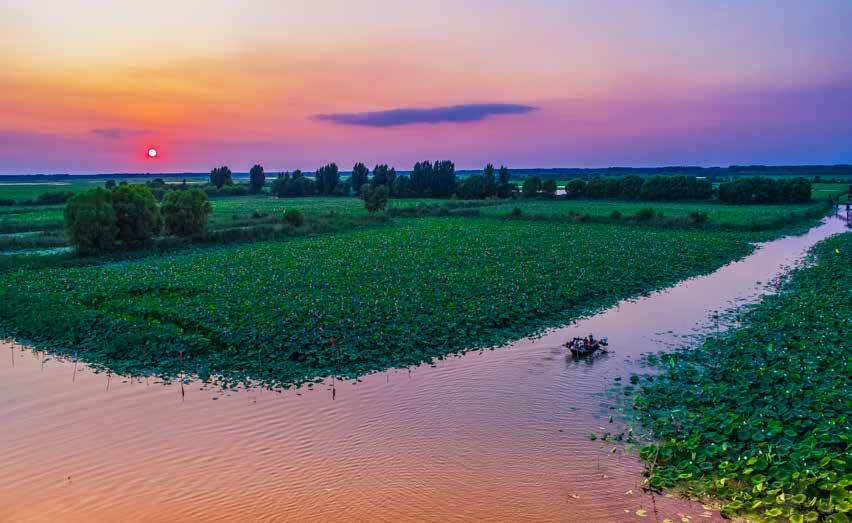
x,y
434,115
115,133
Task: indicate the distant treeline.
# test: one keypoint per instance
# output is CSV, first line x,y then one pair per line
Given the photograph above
x,y
564,173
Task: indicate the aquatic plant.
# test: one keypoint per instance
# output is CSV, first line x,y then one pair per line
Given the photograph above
x,y
759,417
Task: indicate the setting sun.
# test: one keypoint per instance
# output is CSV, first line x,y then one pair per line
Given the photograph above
x,y
152,153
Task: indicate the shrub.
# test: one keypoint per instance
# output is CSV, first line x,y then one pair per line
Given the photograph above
x,y
90,222
53,198
186,212
516,212
294,218
531,186
616,215
575,188
6,202
375,197
644,215
697,217
137,216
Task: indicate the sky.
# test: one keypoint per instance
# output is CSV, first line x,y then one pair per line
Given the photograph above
x,y
89,86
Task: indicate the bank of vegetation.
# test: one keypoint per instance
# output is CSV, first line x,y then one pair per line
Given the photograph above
x,y
759,417
392,296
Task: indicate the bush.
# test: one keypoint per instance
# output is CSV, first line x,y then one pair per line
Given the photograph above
x,y
5,202
90,222
616,215
294,218
516,212
186,212
53,198
765,190
644,215
375,197
137,216
575,188
697,217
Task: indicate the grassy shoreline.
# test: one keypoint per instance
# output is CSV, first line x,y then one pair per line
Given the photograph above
x,y
758,417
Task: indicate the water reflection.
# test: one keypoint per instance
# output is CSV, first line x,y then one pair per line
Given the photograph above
x,y
498,435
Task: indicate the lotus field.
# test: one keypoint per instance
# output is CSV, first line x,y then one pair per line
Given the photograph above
x,y
391,296
759,418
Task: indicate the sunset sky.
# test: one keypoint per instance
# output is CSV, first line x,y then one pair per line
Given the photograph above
x,y
87,86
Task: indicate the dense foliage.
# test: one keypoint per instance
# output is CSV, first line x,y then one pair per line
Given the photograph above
x,y
478,186
375,198
186,212
220,176
415,290
137,216
765,190
326,179
90,221
650,188
760,417
297,184
433,181
257,179
360,176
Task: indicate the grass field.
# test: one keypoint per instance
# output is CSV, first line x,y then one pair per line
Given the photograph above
x,y
390,296
759,417
737,215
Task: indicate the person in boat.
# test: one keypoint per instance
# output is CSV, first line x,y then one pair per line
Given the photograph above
x,y
590,342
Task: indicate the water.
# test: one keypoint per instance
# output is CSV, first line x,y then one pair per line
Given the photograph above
x,y
489,436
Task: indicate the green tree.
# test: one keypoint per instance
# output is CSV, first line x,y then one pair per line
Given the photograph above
x,y
531,186
504,186
186,212
575,188
548,187
256,179
327,178
90,222
221,176
489,182
421,179
375,197
444,179
383,175
360,176
401,187
137,216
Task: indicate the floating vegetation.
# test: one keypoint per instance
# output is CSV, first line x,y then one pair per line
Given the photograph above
x,y
759,417
389,297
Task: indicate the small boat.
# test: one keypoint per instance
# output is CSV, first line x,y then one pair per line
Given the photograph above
x,y
579,347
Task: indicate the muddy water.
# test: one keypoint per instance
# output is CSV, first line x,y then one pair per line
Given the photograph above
x,y
489,436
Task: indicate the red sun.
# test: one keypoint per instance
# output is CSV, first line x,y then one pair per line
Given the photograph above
x,y
152,153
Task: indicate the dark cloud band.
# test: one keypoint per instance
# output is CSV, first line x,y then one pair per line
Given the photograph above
x,y
117,132
434,115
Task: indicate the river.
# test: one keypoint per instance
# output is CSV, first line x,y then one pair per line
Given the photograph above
x,y
494,435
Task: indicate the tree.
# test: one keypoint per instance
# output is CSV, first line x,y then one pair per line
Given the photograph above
x,y
548,187
444,179
256,179
383,175
186,212
631,187
575,188
327,178
137,216
421,179
90,222
489,182
401,187
221,176
360,176
472,187
375,197
504,186
110,184
531,186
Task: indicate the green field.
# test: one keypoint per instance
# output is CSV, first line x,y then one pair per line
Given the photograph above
x,y
736,215
391,296
759,417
